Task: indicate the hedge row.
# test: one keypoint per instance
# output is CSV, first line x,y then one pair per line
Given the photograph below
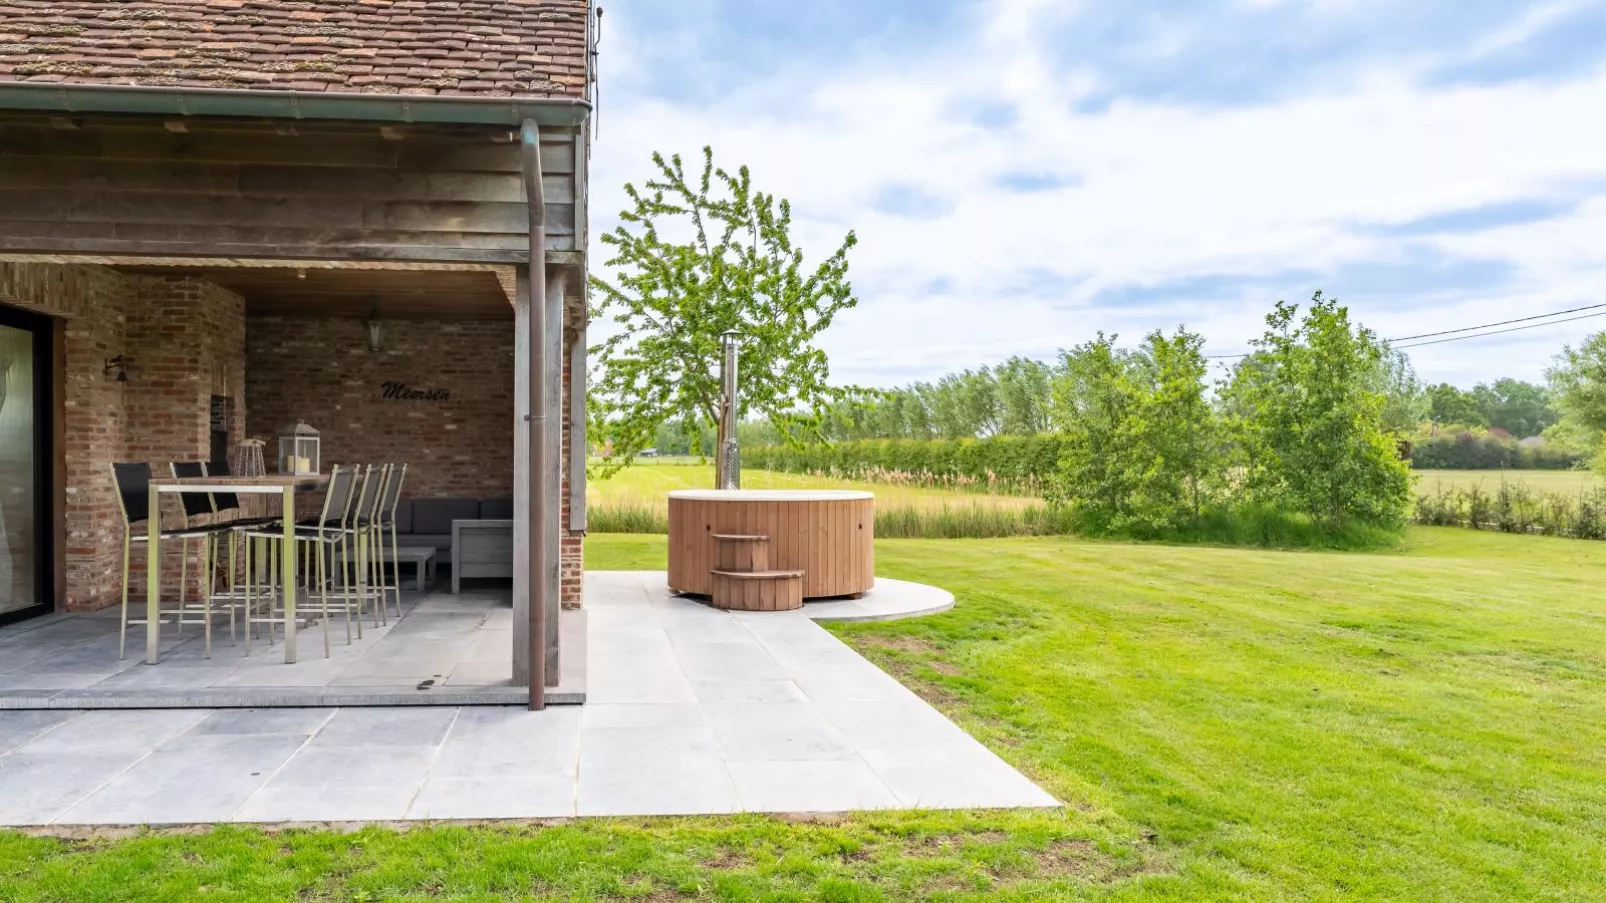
x,y
1514,508
1025,463
1469,451
1003,463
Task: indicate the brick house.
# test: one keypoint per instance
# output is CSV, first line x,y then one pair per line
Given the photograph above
x,y
204,203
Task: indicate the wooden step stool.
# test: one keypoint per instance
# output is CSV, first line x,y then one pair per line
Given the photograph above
x,y
743,581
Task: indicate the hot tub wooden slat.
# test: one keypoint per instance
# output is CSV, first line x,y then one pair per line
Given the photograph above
x,y
817,533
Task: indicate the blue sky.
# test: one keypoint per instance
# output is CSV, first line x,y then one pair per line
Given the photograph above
x,y
1025,173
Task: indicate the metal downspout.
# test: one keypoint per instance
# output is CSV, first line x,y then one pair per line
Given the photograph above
x,y
535,582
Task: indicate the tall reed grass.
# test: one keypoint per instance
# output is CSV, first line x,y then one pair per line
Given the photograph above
x,y
961,520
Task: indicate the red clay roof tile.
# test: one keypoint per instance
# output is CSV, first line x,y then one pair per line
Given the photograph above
x,y
384,46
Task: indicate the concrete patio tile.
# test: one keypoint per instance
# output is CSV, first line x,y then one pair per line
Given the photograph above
x,y
162,678
642,746
398,666
662,780
621,621
603,716
313,673
121,731
332,803
17,728
298,722
481,673
955,779
490,646
192,779
810,786
511,742
39,786
503,796
336,767
49,682
94,656
725,691
765,732
892,725
396,682
720,629
744,660
382,727
614,677
839,683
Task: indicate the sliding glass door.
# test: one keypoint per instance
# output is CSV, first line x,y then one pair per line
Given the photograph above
x,y
25,554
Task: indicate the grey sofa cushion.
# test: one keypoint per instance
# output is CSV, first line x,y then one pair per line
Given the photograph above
x,y
435,516
404,516
496,509
441,542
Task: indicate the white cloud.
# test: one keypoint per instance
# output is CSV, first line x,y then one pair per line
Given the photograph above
x,y
1161,193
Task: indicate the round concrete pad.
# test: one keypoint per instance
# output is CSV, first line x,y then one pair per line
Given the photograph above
x,y
889,601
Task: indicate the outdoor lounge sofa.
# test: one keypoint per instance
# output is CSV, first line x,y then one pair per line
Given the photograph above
x,y
428,522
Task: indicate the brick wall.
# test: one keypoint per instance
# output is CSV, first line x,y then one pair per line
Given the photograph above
x,y
188,340
184,339
456,436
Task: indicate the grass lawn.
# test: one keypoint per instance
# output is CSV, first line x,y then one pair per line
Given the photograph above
x,y
1569,482
1423,724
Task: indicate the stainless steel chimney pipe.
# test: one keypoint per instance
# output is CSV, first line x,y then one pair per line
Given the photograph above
x,y
729,468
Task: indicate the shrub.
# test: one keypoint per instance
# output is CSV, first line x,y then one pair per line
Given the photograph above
x,y
1467,450
1018,465
1514,508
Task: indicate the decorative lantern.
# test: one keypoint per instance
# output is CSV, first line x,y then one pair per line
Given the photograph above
x,y
298,450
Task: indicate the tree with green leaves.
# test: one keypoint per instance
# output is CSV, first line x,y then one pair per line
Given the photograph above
x,y
1578,390
1520,408
1450,406
1172,430
1140,438
1307,418
1405,402
1025,388
693,258
1093,399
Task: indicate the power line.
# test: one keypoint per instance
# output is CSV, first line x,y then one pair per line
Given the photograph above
x,y
1429,335
1501,331
1459,338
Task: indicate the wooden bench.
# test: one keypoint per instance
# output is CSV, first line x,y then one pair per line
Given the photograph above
x,y
742,581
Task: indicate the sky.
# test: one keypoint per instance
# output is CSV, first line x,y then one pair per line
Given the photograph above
x,y
1023,174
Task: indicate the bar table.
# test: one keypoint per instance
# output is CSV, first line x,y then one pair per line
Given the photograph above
x,y
285,487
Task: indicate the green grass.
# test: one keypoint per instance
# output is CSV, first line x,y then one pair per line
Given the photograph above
x,y
1426,723
1569,482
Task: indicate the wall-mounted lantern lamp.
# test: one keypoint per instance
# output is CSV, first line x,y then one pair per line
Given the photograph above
x,y
117,368
375,329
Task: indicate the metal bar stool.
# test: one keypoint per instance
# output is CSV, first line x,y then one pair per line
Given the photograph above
x,y
316,541
132,481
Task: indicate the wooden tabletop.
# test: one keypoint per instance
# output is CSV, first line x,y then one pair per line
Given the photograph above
x,y
274,481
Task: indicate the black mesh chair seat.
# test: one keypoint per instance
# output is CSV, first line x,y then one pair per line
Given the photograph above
x,y
140,532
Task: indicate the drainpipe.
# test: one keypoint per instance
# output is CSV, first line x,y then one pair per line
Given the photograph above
x,y
730,462
539,559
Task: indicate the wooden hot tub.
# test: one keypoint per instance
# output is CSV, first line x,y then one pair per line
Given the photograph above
x,y
827,534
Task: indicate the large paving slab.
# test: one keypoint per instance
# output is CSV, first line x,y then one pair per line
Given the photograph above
x,y
690,711
445,651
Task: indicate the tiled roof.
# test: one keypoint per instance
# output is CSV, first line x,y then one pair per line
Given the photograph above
x,y
496,48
